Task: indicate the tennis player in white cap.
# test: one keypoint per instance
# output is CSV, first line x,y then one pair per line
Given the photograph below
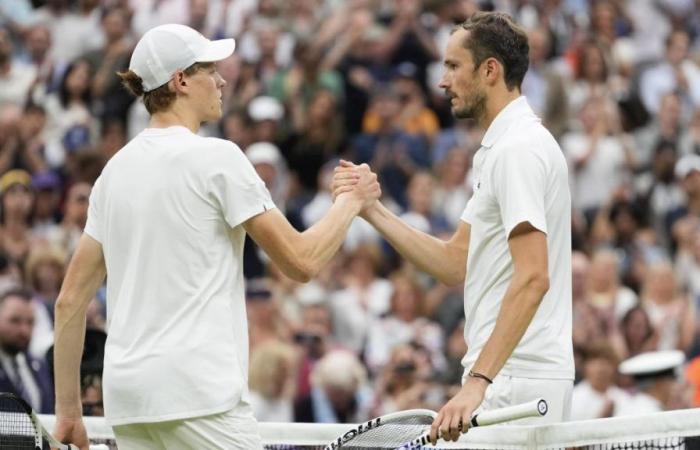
x,y
166,226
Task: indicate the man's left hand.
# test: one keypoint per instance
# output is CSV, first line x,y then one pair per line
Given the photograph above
x,y
454,418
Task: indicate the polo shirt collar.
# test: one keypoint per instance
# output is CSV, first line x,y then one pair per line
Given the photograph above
x,y
513,110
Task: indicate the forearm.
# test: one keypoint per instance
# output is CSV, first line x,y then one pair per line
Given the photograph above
x,y
321,242
430,254
68,350
85,275
519,306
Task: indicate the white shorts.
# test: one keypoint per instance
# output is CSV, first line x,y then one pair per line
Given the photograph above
x,y
507,391
236,429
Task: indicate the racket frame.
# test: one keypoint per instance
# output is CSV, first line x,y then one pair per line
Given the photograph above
x,y
534,408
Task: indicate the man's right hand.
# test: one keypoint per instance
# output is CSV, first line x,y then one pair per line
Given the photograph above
x,y
71,431
358,181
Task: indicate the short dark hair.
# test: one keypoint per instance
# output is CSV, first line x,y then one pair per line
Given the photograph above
x,y
20,292
496,35
160,98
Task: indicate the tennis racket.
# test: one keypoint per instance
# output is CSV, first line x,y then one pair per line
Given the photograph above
x,y
410,430
21,429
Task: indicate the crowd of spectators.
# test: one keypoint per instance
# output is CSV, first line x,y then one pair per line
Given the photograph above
x,y
616,81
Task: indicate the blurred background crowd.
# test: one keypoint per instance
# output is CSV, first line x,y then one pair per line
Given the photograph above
x,y
617,82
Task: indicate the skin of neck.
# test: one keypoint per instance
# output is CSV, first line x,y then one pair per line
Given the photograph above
x,y
179,114
498,98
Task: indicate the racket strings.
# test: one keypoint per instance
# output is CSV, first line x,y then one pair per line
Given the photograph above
x,y
391,435
16,428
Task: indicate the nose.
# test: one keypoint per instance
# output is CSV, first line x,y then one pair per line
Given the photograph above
x,y
443,83
220,82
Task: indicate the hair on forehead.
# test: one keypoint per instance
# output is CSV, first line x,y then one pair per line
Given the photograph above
x,y
18,292
496,35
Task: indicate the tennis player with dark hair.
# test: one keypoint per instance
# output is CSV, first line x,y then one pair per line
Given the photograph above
x,y
166,225
513,247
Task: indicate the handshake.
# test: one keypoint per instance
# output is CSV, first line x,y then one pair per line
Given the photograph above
x,y
356,184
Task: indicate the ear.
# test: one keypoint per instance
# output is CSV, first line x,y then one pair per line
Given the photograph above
x,y
493,70
179,82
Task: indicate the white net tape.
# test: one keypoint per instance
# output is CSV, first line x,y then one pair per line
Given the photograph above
x,y
669,430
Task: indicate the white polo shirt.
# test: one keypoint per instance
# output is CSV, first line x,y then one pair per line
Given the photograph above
x,y
520,175
168,210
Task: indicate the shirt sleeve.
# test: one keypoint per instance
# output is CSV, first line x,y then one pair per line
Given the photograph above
x,y
520,179
237,188
93,226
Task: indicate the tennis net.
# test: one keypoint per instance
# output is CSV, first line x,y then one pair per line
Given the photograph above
x,y
674,430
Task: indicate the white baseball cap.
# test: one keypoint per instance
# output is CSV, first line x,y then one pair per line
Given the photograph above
x,y
653,364
165,49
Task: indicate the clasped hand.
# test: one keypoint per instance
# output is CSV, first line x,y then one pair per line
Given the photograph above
x,y
357,181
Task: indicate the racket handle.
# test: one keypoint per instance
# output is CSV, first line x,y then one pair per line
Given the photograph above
x,y
533,408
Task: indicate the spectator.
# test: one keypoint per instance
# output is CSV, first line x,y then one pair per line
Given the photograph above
x,y
677,73
318,136
544,86
16,78
364,296
690,137
655,376
393,154
24,146
403,383
605,293
105,89
453,190
671,313
688,173
415,118
338,392
73,33
16,201
597,396
38,43
272,382
71,127
599,156
404,323
421,213
297,86
590,75
688,266
75,209
266,113
21,373
666,127
637,334
44,272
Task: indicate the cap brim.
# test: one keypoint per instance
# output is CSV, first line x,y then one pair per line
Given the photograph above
x,y
217,50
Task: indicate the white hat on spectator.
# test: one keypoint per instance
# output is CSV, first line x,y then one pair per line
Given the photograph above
x,y
263,153
311,293
265,108
165,49
339,369
686,165
653,364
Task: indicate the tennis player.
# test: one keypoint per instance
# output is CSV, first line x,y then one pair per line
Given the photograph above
x,y
513,246
166,226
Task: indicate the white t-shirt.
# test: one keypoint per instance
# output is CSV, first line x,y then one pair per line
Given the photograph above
x,y
595,182
520,175
587,403
637,404
168,210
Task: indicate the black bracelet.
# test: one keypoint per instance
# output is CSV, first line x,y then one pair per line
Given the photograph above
x,y
480,375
